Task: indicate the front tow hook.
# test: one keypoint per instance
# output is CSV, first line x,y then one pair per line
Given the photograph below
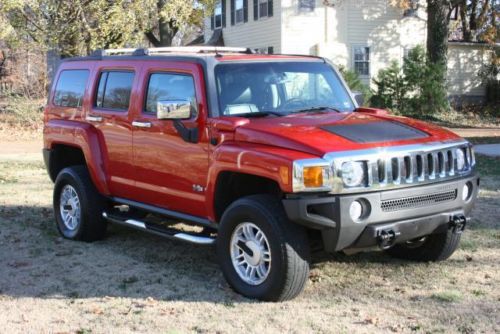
x,y
457,223
387,238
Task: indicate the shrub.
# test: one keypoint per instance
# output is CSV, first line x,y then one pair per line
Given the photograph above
x,y
18,111
391,88
354,82
489,75
414,89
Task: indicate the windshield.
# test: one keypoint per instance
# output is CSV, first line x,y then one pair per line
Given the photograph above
x,y
279,88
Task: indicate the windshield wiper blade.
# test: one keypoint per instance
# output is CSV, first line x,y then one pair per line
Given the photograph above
x,y
261,114
316,109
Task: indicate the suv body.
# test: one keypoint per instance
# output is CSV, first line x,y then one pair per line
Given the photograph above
x,y
265,152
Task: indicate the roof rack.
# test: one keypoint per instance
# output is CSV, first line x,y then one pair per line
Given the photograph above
x,y
170,49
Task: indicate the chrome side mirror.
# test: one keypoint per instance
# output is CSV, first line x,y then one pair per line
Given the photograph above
x,y
173,109
359,97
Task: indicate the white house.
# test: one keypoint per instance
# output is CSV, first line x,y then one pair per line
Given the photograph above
x,y
363,35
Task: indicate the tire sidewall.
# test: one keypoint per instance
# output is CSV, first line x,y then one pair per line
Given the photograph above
x,y
68,177
244,212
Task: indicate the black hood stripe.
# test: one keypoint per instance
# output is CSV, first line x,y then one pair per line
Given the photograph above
x,y
374,132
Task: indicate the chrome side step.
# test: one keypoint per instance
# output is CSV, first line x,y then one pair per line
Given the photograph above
x,y
160,230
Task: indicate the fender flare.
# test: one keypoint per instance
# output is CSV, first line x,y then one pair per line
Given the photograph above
x,y
84,137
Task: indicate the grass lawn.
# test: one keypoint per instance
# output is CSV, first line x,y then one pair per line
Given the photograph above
x,y
134,282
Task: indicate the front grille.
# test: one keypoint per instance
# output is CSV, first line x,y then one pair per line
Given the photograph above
x,y
403,166
418,201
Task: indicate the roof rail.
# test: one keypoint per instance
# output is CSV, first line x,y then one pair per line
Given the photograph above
x,y
169,49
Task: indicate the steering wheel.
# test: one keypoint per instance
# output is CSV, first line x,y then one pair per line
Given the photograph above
x,y
293,103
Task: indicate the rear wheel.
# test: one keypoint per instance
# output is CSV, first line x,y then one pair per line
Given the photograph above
x,y
261,253
78,206
433,247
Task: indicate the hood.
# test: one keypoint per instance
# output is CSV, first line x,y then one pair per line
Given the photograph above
x,y
320,133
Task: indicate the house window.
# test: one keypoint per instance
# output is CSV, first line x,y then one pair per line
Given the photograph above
x,y
218,15
262,8
265,50
239,11
307,5
362,60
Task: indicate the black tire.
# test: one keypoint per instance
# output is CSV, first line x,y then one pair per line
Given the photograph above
x,y
435,247
288,243
91,225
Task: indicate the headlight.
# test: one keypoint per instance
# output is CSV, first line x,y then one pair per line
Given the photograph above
x,y
311,175
353,174
460,159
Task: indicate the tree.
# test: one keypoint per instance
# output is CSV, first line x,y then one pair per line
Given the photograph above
x,y
479,20
72,27
167,17
75,27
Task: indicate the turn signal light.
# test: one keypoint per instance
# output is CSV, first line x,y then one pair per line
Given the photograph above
x,y
313,177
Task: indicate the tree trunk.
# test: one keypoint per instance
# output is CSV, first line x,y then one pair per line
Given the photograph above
x,y
437,30
167,32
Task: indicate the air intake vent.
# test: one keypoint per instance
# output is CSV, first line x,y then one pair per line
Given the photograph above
x,y
418,201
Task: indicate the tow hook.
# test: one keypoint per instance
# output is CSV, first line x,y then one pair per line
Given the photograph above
x,y
387,238
457,223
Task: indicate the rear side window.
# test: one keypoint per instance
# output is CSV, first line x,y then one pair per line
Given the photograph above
x,y
169,86
114,90
71,88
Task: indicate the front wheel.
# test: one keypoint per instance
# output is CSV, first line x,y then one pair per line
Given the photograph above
x,y
261,253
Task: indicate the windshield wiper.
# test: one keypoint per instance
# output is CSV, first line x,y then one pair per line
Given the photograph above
x,y
260,114
312,109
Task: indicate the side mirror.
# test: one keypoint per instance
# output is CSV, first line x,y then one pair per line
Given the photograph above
x,y
173,109
359,97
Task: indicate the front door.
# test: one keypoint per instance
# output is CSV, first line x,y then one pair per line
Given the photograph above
x,y
171,172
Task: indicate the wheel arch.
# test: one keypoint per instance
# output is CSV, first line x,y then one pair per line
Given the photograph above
x,y
68,143
232,185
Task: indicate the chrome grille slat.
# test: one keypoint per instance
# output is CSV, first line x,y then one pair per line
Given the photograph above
x,y
403,166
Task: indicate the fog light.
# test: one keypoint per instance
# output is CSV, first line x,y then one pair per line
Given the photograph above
x,y
467,191
356,210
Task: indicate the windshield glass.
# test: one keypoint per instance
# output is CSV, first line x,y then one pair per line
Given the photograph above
x,y
279,88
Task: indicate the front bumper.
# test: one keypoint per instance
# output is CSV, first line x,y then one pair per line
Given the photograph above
x,y
410,212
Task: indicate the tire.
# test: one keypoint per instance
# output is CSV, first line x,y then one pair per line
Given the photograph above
x,y
435,247
86,222
288,262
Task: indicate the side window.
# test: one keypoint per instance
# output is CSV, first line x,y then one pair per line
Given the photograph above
x,y
71,88
114,90
168,86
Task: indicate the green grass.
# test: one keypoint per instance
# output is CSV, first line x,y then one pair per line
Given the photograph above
x,y
488,165
483,140
450,296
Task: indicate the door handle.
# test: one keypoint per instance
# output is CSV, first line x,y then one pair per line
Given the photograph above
x,y
141,124
91,118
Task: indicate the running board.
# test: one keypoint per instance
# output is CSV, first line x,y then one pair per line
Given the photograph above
x,y
159,230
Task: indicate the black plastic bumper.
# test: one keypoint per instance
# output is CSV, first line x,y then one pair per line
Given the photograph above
x,y
330,214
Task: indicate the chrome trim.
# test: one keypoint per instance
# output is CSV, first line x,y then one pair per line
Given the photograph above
x,y
195,239
403,166
136,223
90,118
298,175
141,124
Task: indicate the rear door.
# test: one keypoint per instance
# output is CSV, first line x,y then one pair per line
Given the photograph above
x,y
110,112
171,172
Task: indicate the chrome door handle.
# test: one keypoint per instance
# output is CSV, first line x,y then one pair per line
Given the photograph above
x,y
141,124
93,118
